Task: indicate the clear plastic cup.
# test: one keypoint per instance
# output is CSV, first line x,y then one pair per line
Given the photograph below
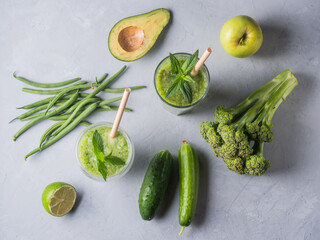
x,y
125,168
178,110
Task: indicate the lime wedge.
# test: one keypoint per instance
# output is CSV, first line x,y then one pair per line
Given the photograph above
x,y
58,198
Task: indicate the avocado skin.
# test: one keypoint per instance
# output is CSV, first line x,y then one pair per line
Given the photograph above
x,y
155,184
150,45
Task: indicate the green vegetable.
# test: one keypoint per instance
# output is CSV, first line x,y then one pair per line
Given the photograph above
x,y
188,184
234,129
50,114
102,78
65,131
33,112
181,81
92,94
73,114
105,102
155,184
46,100
48,132
56,91
45,85
106,83
120,90
65,116
71,104
98,148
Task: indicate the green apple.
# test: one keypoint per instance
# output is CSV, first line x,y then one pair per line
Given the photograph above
x,y
241,36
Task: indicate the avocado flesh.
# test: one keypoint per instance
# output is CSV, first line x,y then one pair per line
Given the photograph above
x,y
131,38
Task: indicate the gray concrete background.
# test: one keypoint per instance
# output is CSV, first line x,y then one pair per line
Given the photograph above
x,y
50,41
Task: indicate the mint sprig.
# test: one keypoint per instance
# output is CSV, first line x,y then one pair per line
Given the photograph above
x,y
98,149
181,81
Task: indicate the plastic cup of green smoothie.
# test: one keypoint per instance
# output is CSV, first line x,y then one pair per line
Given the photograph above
x,y
121,146
176,103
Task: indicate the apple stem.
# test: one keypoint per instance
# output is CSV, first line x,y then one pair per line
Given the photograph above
x,y
242,39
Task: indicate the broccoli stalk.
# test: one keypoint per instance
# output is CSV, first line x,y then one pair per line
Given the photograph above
x,y
249,121
226,116
259,130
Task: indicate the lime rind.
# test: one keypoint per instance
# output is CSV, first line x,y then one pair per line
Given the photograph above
x,y
58,198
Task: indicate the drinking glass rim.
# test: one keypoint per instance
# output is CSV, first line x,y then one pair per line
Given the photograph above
x,y
170,104
129,161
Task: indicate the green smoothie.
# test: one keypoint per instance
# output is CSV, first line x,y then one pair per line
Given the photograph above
x,y
118,145
164,77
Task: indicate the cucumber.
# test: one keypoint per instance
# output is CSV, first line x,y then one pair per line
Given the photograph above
x,y
188,184
155,184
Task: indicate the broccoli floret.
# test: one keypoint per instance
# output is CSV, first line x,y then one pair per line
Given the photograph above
x,y
230,137
256,164
209,133
235,164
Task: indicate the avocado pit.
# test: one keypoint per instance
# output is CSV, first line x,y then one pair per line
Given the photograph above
x,y
131,38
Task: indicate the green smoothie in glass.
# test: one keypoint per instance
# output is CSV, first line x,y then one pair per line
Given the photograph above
x,y
120,147
177,103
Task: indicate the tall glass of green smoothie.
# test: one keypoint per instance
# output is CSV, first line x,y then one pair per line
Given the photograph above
x,y
121,146
177,103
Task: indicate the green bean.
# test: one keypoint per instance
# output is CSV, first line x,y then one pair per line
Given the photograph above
x,y
49,114
69,110
33,116
106,83
99,109
66,130
94,92
74,113
45,85
38,103
59,103
30,112
46,100
61,93
120,90
60,117
102,78
54,91
111,108
33,112
47,133
105,102
74,106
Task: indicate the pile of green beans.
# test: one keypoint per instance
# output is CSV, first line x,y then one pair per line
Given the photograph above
x,y
69,106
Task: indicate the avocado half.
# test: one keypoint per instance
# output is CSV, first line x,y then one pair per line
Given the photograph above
x,y
131,38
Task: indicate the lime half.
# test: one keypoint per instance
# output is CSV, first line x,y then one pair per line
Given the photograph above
x,y
58,198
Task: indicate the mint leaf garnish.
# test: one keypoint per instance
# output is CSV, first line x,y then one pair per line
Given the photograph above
x,y
114,160
97,142
174,63
175,85
98,149
186,92
190,63
102,168
188,79
180,82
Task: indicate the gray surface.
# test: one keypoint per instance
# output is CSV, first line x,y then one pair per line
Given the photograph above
x,y
54,40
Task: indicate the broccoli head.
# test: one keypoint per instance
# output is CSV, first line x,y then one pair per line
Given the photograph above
x,y
233,131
